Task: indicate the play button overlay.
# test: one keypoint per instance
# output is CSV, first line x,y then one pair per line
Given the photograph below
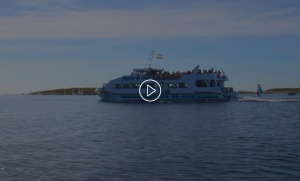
x,y
150,90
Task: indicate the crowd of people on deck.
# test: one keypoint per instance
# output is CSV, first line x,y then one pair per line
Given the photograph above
x,y
178,74
210,71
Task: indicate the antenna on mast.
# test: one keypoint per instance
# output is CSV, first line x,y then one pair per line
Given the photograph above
x,y
151,58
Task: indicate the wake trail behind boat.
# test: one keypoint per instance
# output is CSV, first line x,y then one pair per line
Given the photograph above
x,y
255,99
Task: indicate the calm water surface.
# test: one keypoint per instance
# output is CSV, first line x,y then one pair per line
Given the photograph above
x,y
80,138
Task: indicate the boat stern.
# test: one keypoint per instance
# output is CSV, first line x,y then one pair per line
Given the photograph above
x,y
228,92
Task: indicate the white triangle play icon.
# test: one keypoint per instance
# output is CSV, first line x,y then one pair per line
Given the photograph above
x,y
151,91
150,96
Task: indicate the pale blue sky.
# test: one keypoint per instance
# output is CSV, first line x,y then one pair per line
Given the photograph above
x,y
48,44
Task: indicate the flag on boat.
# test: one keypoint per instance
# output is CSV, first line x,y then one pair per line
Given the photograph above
x,y
159,56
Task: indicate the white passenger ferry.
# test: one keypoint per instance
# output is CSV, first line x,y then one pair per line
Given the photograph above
x,y
190,86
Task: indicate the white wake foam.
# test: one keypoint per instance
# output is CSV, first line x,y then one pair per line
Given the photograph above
x,y
260,99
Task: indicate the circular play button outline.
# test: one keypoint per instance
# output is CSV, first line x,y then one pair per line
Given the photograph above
x,y
150,80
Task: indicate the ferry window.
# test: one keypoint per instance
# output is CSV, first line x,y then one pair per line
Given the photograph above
x,y
118,86
201,83
143,73
126,86
181,85
212,83
152,84
144,86
161,84
135,86
171,85
228,89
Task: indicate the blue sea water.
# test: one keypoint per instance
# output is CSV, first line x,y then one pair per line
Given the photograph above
x,y
82,138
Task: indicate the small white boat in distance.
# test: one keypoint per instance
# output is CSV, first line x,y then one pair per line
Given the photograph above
x,y
189,86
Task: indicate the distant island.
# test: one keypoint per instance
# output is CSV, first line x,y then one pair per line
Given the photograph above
x,y
67,91
91,91
273,91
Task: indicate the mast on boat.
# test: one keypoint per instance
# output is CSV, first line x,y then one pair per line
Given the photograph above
x,y
151,56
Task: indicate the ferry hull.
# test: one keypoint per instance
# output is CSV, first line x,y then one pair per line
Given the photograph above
x,y
199,97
